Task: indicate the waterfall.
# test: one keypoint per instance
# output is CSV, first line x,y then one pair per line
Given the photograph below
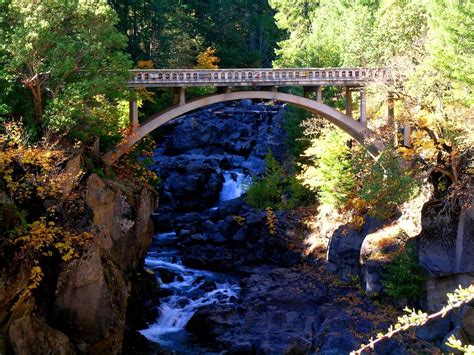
x,y
235,184
188,294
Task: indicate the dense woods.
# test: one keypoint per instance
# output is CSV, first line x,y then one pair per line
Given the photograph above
x,y
172,33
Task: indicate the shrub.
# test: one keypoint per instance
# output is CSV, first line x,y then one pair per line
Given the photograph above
x,y
277,190
404,277
330,173
350,180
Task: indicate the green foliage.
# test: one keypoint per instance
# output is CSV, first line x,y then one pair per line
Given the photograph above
x,y
172,33
404,277
71,71
296,140
331,175
349,179
384,185
276,190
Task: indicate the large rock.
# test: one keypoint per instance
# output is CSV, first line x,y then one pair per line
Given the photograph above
x,y
378,249
91,300
123,220
344,248
447,247
438,287
435,329
92,292
28,335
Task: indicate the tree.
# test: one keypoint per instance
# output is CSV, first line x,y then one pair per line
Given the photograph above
x,y
172,33
207,59
69,56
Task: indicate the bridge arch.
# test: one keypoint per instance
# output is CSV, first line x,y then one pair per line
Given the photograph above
x,y
355,129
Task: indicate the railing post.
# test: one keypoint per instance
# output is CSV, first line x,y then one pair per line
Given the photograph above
x,y
363,109
348,101
133,113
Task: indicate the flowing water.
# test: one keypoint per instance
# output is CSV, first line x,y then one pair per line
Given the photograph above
x,y
235,184
190,289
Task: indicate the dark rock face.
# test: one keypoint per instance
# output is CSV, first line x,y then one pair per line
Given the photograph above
x,y
344,248
450,252
191,159
92,292
85,308
32,336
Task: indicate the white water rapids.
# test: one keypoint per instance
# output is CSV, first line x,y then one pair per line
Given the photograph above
x,y
235,184
187,296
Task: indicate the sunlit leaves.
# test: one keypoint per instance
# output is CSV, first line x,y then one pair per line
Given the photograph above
x,y
65,53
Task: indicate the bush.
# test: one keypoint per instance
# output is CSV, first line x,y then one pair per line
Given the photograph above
x,y
277,190
330,172
346,178
404,277
296,140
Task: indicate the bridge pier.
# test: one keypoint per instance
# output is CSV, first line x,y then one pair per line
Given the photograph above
x,y
363,107
224,89
319,93
348,101
316,89
407,136
133,113
179,96
391,117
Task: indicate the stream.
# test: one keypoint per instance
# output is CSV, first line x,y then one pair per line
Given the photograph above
x,y
226,282
190,288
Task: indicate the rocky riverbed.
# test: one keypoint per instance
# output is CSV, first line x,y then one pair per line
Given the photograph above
x,y
225,284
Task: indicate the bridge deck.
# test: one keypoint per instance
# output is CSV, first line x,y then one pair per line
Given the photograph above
x,y
255,77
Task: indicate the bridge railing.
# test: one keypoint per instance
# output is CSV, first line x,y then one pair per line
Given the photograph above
x,y
255,76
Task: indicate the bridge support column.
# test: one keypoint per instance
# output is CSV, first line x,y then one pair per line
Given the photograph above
x,y
363,107
319,93
348,101
224,90
133,113
179,97
391,117
407,136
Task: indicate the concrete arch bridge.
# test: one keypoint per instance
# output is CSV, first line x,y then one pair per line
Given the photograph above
x,y
267,81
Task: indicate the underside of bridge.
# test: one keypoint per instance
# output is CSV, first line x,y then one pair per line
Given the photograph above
x,y
357,130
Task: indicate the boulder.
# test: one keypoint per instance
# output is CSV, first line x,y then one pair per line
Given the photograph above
x,y
91,301
459,334
28,335
446,246
378,249
344,248
435,329
438,287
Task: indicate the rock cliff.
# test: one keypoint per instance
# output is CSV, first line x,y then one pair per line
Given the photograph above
x,y
87,310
